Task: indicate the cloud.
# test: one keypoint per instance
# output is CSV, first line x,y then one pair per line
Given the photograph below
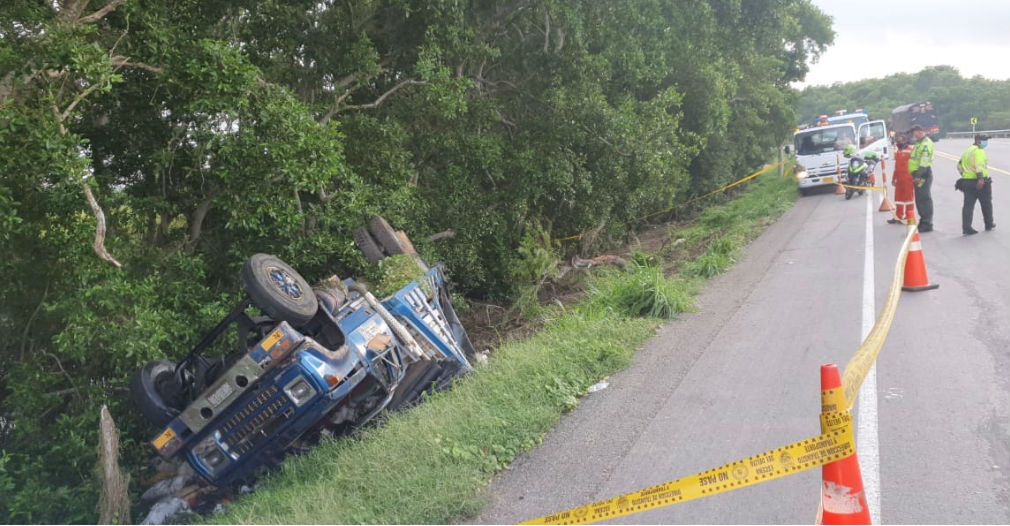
x,y
878,38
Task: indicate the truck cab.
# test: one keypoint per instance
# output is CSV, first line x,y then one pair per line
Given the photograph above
x,y
922,114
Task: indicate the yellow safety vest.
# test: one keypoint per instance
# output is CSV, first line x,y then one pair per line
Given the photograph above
x,y
922,155
973,161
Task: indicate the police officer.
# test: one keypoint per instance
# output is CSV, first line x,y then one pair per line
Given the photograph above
x,y
921,167
976,185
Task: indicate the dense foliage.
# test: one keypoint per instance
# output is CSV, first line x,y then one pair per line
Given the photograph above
x,y
956,99
148,146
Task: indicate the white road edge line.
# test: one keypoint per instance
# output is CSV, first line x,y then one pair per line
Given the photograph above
x,y
867,437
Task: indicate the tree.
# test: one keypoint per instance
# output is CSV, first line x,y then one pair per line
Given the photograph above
x,y
956,99
128,125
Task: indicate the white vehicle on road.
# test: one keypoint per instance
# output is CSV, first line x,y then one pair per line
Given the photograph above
x,y
819,150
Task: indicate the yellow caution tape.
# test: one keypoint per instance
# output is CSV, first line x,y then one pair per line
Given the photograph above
x,y
860,364
713,192
856,187
834,445
727,187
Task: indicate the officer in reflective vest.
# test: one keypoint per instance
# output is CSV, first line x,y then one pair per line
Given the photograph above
x,y
976,185
921,167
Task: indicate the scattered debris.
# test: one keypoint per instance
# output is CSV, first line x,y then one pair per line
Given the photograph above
x,y
578,263
165,509
169,486
599,386
606,259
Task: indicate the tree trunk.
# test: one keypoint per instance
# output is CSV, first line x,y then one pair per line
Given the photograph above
x,y
114,501
99,243
196,223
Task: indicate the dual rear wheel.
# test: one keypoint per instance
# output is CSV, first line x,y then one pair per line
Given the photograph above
x,y
378,240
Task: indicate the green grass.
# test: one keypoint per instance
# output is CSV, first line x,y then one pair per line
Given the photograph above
x,y
642,291
432,463
428,464
393,273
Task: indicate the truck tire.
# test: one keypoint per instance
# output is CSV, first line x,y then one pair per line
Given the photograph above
x,y
278,290
408,246
386,236
368,247
153,389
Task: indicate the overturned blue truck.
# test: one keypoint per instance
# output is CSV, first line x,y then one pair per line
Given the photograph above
x,y
302,362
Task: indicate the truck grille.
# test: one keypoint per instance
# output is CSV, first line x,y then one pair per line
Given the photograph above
x,y
255,421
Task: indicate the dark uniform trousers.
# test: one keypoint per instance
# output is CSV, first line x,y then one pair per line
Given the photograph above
x,y
923,197
984,198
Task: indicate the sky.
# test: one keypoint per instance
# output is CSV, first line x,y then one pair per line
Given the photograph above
x,y
876,38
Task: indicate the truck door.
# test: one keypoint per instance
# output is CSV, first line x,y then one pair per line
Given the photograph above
x,y
872,136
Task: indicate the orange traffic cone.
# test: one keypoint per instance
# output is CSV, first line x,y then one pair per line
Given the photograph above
x,y
843,500
915,268
886,205
839,189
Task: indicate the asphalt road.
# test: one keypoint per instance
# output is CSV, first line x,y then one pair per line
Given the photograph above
x,y
740,376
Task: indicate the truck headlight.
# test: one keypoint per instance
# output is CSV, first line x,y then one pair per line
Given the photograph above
x,y
802,174
214,458
299,391
211,455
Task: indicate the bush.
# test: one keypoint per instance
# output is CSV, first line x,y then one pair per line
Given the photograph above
x,y
536,263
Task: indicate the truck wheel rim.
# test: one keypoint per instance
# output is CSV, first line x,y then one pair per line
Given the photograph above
x,y
284,282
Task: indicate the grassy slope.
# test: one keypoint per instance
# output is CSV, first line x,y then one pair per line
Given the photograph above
x,y
431,464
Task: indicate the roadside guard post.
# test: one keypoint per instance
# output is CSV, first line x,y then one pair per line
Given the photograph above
x,y
843,500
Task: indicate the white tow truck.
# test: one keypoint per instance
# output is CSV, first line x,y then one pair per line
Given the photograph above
x,y
818,149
